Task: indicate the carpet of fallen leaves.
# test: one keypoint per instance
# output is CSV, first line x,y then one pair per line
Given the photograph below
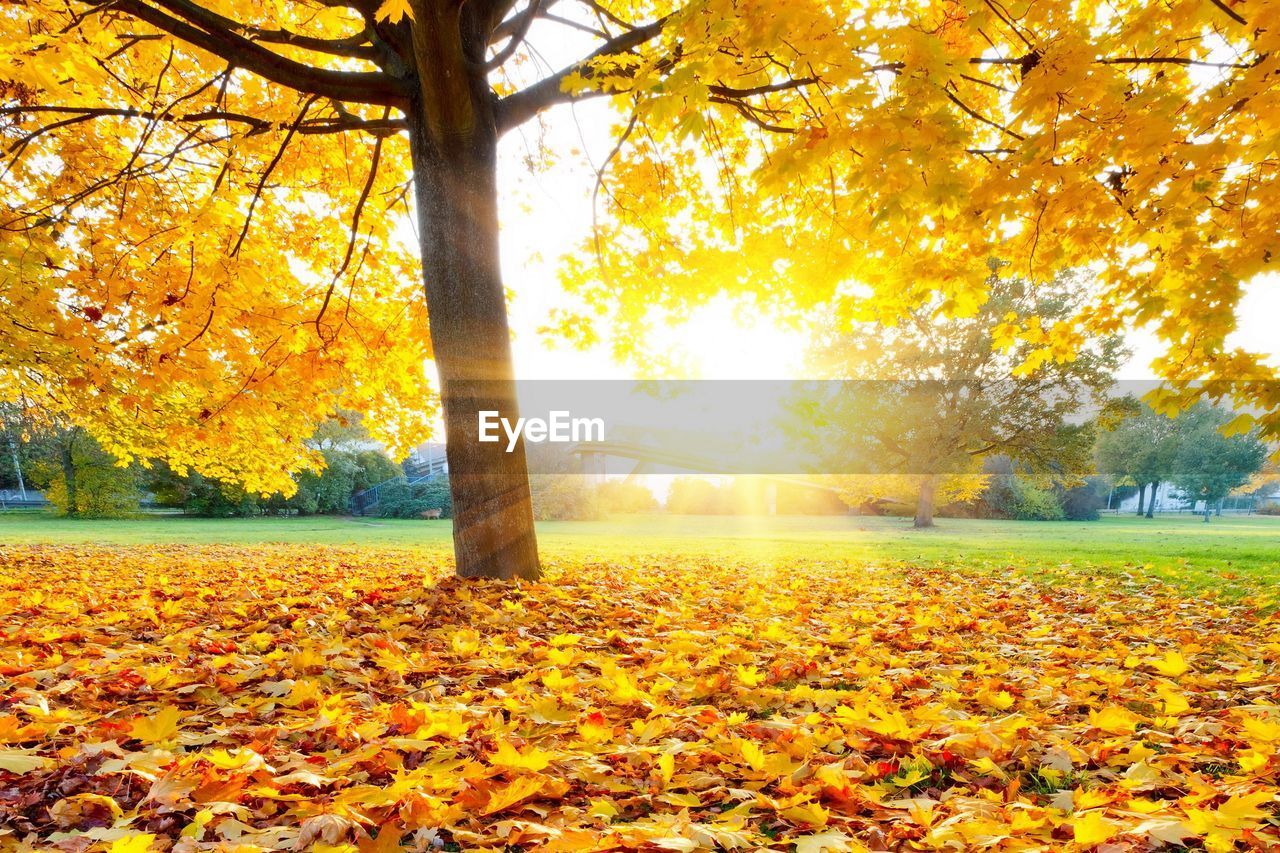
x,y
214,698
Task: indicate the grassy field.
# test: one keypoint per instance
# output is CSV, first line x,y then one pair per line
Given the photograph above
x,y
1234,554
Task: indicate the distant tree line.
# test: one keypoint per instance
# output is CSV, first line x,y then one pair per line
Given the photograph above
x,y
1198,452
80,478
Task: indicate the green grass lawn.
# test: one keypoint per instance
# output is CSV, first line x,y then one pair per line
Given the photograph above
x,y
1233,554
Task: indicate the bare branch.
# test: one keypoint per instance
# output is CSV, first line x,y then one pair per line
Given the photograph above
x,y
730,92
206,30
980,117
355,232
519,107
262,182
1172,60
566,22
312,127
1231,13
517,37
511,25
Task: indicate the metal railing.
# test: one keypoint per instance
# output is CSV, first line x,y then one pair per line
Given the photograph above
x,y
364,502
22,498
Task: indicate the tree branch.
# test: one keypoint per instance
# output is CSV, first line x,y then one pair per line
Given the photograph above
x,y
1172,60
1032,59
262,182
511,25
1231,13
980,117
203,29
517,37
750,114
313,127
355,233
519,107
566,22
355,46
608,16
730,92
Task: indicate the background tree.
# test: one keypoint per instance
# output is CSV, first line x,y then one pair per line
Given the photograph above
x,y
79,478
198,260
697,496
1266,482
932,396
624,497
14,448
1013,493
1209,464
1140,449
374,467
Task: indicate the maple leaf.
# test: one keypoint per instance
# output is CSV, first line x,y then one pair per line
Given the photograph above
x,y
22,761
1115,720
510,758
1171,665
394,11
519,789
160,727
139,842
1092,828
831,841
751,753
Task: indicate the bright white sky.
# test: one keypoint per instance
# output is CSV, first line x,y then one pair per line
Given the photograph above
x,y
548,214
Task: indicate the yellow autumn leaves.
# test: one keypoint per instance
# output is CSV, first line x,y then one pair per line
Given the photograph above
x,y
346,701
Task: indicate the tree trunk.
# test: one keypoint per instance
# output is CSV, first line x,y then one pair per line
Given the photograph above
x,y
1207,509
1151,504
17,465
453,142
925,502
67,456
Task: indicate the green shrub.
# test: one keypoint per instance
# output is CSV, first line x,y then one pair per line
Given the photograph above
x,y
1033,503
398,499
435,494
101,492
373,467
328,491
1083,502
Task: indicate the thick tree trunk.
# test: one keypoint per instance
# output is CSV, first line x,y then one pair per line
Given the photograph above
x,y
1151,504
454,148
1142,497
925,502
